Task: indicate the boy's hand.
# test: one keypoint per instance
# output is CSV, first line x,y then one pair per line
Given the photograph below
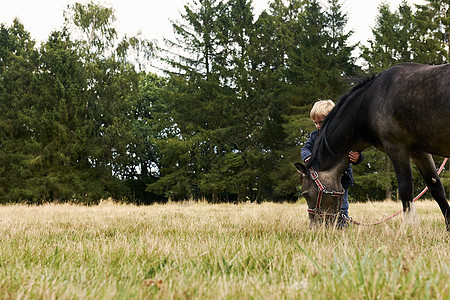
x,y
354,156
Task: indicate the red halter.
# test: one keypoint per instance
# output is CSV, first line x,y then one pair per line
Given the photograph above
x,y
322,190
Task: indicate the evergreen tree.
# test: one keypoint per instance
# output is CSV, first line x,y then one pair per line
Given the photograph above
x,y
407,36
81,121
318,67
193,138
18,68
393,33
432,32
61,126
144,162
66,126
342,63
229,132
112,85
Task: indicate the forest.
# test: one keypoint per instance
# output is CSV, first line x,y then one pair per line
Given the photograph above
x,y
221,120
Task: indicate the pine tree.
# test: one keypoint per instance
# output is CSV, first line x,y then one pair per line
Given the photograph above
x,y
233,110
392,38
319,66
142,164
66,126
112,85
432,35
407,36
18,68
194,103
342,64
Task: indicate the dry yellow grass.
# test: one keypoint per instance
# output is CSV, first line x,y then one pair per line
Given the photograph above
x,y
196,250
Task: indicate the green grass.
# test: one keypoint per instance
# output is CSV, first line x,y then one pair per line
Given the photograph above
x,y
200,251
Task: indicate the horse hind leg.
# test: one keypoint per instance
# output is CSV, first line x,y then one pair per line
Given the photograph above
x,y
411,216
427,168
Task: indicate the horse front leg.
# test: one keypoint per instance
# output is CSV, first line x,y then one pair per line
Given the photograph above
x,y
401,161
427,168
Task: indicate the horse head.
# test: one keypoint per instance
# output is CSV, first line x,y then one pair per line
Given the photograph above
x,y
323,204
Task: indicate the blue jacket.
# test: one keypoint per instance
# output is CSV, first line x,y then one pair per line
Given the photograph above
x,y
306,151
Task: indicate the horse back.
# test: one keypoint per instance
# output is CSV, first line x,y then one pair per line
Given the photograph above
x,y
410,104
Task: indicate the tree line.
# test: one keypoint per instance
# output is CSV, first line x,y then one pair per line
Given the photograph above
x,y
82,118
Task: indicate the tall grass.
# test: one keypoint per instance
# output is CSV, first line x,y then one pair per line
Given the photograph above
x,y
201,251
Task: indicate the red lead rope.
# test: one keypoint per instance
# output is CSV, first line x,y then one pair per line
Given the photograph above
x,y
397,213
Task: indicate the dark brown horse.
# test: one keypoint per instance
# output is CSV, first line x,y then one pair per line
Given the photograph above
x,y
404,111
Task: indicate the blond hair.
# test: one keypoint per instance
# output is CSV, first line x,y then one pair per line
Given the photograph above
x,y
321,109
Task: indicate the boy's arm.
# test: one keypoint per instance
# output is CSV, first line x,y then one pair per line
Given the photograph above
x,y
306,150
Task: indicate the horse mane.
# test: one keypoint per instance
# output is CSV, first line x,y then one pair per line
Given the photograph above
x,y
317,157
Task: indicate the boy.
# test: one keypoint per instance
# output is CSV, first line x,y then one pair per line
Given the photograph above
x,y
319,112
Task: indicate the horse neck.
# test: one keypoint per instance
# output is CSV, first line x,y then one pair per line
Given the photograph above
x,y
341,137
335,169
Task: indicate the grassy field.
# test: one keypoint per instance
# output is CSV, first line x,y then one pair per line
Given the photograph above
x,y
200,251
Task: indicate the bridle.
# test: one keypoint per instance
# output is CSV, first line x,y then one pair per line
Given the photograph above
x,y
322,191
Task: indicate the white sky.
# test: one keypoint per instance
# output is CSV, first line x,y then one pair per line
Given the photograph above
x,y
40,17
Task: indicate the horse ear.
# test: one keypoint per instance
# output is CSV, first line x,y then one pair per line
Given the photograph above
x,y
301,168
